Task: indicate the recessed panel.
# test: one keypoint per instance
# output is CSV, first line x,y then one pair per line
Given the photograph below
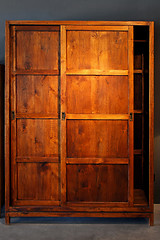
x,y
97,94
37,94
38,181
97,183
97,138
37,50
105,50
37,137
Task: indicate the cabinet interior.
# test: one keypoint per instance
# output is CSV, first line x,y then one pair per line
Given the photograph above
x,y
141,115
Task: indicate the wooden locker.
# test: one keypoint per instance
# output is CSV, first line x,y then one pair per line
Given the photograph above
x,y
79,119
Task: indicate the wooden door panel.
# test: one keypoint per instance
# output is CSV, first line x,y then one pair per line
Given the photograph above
x,y
97,183
37,50
38,181
97,138
105,50
94,94
37,137
99,98
37,94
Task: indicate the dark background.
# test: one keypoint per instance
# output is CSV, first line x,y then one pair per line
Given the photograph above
x,y
98,10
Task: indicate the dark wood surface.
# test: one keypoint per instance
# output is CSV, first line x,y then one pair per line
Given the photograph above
x,y
87,157
1,136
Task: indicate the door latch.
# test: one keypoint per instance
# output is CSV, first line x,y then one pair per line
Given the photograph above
x,y
63,115
131,116
12,115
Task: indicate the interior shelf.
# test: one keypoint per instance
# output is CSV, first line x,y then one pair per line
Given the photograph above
x,y
138,71
138,151
140,198
140,41
138,111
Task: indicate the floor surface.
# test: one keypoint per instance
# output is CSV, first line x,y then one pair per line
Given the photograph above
x,y
80,228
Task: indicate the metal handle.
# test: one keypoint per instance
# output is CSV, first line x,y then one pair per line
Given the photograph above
x,y
63,115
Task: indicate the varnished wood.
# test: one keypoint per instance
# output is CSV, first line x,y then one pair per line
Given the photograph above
x,y
78,214
151,115
38,115
96,72
103,23
105,50
37,95
82,208
131,107
97,160
94,138
37,28
63,109
137,71
30,58
97,28
84,183
54,159
140,198
151,219
2,72
7,219
33,176
7,118
98,93
36,72
93,86
98,116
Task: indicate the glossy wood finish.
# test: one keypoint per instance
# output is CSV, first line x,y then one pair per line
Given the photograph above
x,y
97,138
1,136
98,94
83,164
35,117
42,57
92,183
105,50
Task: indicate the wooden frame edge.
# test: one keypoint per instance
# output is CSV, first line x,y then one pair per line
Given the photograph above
x,y
151,115
72,22
7,106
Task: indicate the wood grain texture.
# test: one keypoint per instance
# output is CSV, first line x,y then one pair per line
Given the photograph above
x,y
97,160
40,137
97,138
131,108
2,73
97,130
7,119
94,94
34,181
37,94
63,110
105,50
98,116
151,117
37,50
99,183
94,23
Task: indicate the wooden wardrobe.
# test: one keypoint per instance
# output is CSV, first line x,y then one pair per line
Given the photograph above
x,y
79,115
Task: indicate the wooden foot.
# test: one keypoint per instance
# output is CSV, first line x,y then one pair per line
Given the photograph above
x,y
7,219
151,220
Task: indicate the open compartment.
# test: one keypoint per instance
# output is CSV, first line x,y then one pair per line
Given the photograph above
x,y
141,115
